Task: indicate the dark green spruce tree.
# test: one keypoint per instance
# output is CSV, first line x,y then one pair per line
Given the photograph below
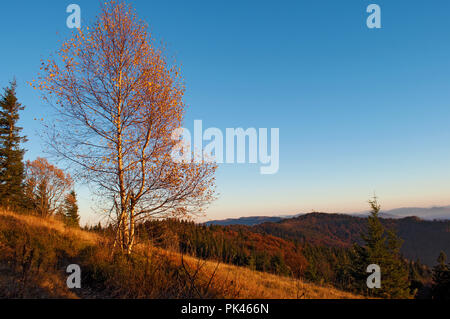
x,y
11,153
71,216
441,279
397,283
382,248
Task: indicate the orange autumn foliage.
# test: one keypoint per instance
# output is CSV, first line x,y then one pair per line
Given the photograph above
x,y
45,186
119,100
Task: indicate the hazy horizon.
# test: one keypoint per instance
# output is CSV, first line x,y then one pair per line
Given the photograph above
x,y
288,215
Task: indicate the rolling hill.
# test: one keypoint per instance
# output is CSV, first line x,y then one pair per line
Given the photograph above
x,y
248,221
422,239
35,252
431,213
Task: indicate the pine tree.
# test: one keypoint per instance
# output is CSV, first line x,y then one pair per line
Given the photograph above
x,y
441,278
396,283
373,252
71,210
382,247
357,268
375,239
29,199
11,154
42,199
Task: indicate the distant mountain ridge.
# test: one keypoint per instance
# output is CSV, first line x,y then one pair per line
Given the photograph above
x,y
431,213
247,221
423,239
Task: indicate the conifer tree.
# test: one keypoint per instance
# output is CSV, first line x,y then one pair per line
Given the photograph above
x,y
382,248
441,278
42,199
71,210
396,283
11,154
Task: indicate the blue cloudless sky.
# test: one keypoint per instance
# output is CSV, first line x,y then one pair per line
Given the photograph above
x,y
359,110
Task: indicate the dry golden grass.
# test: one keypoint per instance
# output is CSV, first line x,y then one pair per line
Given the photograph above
x,y
243,283
196,278
53,224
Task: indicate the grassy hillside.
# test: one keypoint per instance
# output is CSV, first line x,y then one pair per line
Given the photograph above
x,y
34,254
320,257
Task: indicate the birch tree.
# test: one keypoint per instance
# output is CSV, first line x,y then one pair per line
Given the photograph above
x,y
118,100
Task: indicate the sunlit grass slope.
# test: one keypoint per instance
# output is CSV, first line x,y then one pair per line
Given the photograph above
x,y
35,252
